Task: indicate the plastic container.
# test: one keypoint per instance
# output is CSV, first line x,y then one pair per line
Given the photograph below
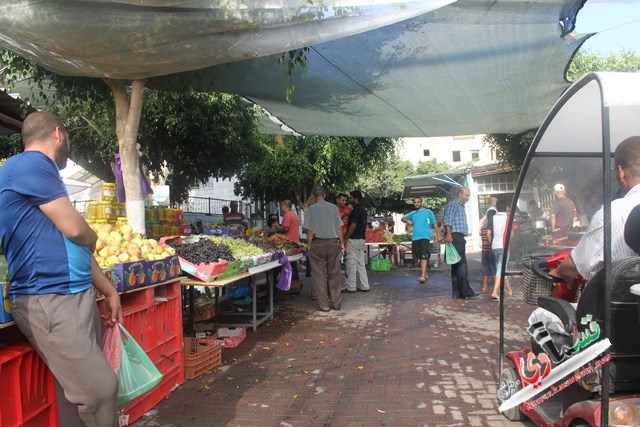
x,y
200,356
108,192
93,211
150,213
380,264
179,216
153,317
28,389
185,230
105,211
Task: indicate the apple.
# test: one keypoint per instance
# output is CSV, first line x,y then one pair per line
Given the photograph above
x,y
103,235
127,236
111,261
133,250
133,259
106,227
99,245
123,257
115,235
113,250
126,229
159,249
104,252
171,251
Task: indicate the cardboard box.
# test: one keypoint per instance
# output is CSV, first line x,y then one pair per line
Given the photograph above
x,y
204,272
205,330
231,337
232,331
204,312
163,269
129,275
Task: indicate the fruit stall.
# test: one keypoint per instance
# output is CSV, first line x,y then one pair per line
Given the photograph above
x,y
165,280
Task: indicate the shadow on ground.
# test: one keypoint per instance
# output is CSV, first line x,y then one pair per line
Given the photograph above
x,y
404,354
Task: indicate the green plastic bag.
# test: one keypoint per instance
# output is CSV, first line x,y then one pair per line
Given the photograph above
x,y
137,373
451,255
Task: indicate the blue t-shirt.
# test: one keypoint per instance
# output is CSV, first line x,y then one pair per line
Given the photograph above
x,y
41,260
423,222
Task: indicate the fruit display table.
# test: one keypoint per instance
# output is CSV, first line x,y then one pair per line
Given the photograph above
x,y
257,318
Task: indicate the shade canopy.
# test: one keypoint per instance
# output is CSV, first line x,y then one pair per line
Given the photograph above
x,y
468,68
374,68
433,185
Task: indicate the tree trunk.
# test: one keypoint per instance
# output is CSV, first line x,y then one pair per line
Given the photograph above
x,y
127,121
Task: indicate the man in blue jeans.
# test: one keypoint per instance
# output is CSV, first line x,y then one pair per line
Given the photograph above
x,y
422,220
455,223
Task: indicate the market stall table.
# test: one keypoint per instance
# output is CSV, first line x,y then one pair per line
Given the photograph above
x,y
257,317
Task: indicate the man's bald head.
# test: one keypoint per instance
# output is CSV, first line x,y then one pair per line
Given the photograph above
x,y
39,126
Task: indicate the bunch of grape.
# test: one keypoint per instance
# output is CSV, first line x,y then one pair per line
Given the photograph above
x,y
240,248
204,251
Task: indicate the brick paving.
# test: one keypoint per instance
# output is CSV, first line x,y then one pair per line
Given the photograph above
x,y
405,354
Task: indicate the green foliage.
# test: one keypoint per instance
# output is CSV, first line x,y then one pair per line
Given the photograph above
x,y
193,135
382,187
282,167
511,149
587,61
426,167
198,135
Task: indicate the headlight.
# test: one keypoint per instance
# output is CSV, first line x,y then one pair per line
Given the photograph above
x,y
624,413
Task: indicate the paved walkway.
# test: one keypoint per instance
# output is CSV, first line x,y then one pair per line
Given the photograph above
x,y
404,354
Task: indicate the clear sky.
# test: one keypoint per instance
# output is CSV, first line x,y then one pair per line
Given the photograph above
x,y
617,23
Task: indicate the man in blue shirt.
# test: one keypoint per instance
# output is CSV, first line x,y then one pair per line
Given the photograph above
x,y
423,221
455,223
49,247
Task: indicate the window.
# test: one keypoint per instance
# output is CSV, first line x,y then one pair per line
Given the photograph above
x,y
426,153
475,156
456,156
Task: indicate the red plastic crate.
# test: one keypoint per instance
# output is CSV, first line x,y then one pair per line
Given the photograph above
x,y
158,330
28,389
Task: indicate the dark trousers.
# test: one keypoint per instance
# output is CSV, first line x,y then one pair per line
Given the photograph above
x,y
459,281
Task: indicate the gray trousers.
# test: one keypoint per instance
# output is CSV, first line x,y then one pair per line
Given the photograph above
x,y
356,269
65,331
325,271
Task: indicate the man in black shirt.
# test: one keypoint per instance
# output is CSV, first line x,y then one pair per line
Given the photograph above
x,y
355,243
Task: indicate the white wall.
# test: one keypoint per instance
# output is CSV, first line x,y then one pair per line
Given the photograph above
x,y
442,148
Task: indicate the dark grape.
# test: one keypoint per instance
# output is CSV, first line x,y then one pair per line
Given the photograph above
x,y
203,251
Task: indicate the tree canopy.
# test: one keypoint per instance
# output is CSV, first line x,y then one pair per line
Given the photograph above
x,y
383,186
288,167
192,136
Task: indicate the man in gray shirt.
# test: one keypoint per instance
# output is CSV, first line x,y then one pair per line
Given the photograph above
x,y
324,240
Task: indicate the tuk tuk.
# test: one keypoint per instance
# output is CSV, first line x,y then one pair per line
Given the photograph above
x,y
582,366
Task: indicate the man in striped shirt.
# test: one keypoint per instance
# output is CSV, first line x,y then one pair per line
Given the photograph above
x,y
234,217
587,257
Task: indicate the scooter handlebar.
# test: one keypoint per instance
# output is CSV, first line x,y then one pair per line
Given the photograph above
x,y
540,268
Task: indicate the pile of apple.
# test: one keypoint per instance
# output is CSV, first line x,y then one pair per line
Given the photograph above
x,y
116,245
